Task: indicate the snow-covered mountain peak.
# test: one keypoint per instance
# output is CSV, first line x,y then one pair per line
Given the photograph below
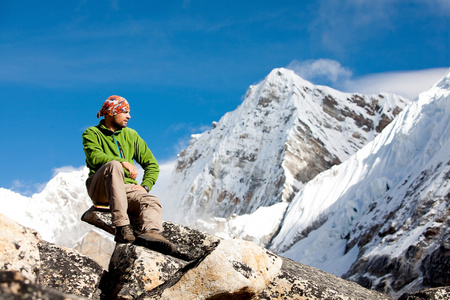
x,y
387,205
285,132
55,212
443,84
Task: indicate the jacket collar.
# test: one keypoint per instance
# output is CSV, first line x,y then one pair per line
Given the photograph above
x,y
105,129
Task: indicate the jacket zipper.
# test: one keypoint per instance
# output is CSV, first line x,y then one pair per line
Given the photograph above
x,y
119,147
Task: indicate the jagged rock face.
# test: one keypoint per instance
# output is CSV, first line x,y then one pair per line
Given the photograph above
x,y
44,265
386,210
426,262
285,132
415,216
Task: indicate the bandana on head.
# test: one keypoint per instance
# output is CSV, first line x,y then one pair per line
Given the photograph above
x,y
114,105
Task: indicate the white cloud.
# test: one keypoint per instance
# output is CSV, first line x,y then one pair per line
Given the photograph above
x,y
65,169
321,70
405,83
331,73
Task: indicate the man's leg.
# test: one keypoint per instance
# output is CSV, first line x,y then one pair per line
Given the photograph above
x,y
107,186
149,210
147,207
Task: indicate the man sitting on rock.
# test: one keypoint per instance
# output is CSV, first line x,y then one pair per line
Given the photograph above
x,y
111,149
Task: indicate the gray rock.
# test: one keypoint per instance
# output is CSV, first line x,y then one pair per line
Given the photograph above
x,y
68,271
440,293
135,271
298,281
43,266
19,251
206,267
13,285
97,245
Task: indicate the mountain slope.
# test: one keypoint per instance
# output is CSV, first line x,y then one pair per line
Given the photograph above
x,y
284,133
55,212
381,218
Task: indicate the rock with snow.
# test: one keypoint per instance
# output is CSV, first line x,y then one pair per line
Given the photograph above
x,y
258,227
285,132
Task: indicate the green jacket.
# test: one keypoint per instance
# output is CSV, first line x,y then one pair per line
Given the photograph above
x,y
101,145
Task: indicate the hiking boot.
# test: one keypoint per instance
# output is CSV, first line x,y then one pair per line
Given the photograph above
x,y
124,234
155,241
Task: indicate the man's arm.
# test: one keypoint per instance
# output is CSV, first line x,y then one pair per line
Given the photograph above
x,y
145,158
132,170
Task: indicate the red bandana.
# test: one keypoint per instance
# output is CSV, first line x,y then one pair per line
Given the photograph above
x,y
114,105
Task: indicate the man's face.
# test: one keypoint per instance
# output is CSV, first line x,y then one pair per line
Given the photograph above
x,y
121,119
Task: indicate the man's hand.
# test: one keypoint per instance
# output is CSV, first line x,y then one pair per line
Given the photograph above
x,y
138,187
131,169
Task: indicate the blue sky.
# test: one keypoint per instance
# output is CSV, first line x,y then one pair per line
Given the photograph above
x,y
184,64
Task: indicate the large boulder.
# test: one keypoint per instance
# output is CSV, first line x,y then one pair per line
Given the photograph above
x,y
207,267
29,263
204,267
439,293
13,285
19,248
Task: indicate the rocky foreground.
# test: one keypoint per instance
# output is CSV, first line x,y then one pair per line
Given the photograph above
x,y
205,267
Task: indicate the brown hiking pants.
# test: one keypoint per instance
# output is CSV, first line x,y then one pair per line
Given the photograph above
x,y
107,186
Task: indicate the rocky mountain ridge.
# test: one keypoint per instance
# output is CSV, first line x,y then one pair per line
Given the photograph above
x,y
379,218
285,132
383,213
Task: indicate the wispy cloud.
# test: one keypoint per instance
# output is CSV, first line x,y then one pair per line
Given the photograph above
x,y
439,7
405,83
66,169
325,71
330,72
